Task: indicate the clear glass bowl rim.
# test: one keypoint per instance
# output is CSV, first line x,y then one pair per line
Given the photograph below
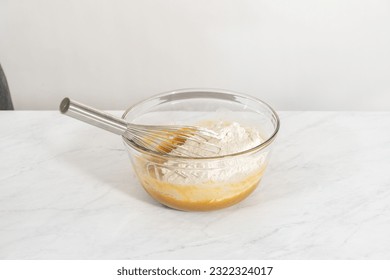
x,y
263,145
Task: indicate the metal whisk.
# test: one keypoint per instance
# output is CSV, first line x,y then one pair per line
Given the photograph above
x,y
160,139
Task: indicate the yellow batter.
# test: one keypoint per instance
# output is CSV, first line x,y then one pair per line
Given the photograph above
x,y
200,197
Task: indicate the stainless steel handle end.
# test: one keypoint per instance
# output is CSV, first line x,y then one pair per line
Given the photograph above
x,y
92,116
64,106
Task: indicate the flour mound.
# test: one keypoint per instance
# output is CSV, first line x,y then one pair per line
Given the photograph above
x,y
230,138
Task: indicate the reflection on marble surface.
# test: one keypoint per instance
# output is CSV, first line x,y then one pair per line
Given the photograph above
x,y
67,191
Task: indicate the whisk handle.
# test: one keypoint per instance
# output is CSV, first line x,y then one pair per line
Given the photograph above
x,y
93,116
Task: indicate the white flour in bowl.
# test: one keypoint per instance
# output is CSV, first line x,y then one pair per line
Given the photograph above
x,y
232,138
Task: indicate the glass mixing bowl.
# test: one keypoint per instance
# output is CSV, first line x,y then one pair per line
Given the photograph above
x,y
206,183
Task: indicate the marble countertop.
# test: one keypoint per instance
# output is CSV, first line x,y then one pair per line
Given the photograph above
x,y
67,191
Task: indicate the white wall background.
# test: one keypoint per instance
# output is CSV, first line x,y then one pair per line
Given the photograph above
x,y
296,55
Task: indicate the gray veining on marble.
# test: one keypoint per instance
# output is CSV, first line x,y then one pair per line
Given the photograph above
x,y
67,191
